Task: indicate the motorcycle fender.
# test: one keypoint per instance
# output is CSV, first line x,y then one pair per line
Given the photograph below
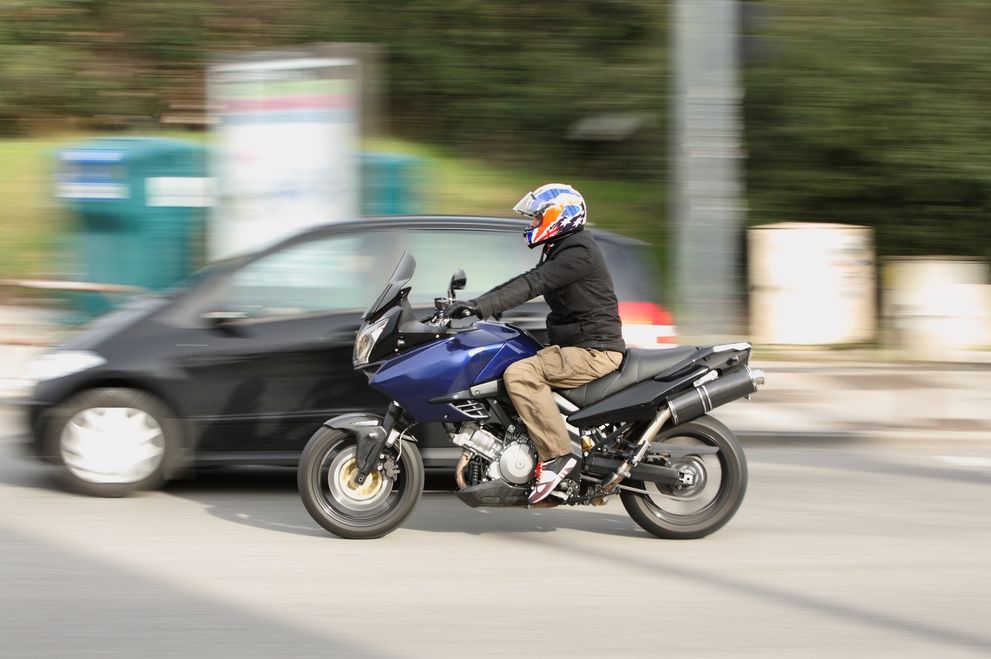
x,y
368,433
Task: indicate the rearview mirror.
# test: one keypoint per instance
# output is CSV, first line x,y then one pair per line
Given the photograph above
x,y
458,282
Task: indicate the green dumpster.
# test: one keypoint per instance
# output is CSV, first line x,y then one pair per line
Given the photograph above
x,y
389,183
141,209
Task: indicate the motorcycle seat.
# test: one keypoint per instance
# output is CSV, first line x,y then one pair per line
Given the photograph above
x,y
637,365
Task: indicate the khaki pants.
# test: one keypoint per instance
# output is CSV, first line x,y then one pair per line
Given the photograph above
x,y
529,382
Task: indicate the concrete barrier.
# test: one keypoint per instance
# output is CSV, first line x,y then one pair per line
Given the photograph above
x,y
937,306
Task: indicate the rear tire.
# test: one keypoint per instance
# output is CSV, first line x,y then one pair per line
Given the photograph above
x,y
696,511
337,503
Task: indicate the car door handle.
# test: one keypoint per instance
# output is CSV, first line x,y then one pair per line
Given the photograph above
x,y
223,317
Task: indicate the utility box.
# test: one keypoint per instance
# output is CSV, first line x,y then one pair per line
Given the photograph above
x,y
389,184
812,284
140,204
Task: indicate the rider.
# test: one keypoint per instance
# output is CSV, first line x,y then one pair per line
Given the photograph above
x,y
586,339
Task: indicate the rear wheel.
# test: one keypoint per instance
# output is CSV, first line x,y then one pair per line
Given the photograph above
x,y
327,485
719,482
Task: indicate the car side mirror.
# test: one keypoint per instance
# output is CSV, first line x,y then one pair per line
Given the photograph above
x,y
458,282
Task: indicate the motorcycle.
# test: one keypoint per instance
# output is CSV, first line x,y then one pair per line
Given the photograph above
x,y
642,432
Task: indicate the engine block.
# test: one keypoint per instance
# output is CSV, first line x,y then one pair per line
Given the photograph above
x,y
478,440
516,463
512,460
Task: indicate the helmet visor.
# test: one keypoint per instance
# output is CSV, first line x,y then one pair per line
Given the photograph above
x,y
529,205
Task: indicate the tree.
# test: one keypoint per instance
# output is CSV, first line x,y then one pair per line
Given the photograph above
x,y
876,114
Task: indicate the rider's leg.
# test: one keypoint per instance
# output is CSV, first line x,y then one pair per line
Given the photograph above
x,y
529,383
533,399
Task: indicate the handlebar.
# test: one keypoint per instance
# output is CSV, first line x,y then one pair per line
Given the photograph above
x,y
442,317
439,317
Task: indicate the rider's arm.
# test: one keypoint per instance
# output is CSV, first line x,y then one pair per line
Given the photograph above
x,y
568,266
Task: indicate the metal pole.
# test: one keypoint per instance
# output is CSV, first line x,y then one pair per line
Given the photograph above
x,y
708,203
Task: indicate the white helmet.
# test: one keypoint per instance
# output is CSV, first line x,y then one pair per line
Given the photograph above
x,y
557,209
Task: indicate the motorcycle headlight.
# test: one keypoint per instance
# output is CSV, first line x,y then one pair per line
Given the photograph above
x,y
366,339
60,363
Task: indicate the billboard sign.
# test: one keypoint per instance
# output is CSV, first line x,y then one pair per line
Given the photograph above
x,y
286,153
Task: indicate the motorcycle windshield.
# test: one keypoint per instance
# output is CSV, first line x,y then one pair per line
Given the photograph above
x,y
400,277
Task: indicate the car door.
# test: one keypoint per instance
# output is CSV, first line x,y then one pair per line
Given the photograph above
x,y
278,333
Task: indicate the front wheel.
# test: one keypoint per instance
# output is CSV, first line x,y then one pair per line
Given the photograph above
x,y
327,485
113,441
719,481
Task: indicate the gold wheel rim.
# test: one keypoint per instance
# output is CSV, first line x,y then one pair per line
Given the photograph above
x,y
362,491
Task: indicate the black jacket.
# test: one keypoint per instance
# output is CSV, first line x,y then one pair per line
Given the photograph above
x,y
573,278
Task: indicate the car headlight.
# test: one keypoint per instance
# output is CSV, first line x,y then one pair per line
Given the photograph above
x,y
60,363
366,339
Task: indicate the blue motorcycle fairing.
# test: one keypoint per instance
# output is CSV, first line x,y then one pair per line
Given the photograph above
x,y
450,365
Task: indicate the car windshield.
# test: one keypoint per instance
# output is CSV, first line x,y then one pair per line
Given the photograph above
x,y
205,273
400,277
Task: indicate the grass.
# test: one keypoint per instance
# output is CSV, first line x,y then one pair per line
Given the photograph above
x,y
35,224
464,185
31,219
455,184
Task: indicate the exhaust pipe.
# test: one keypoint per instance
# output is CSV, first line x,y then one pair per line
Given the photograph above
x,y
459,476
624,470
719,391
687,406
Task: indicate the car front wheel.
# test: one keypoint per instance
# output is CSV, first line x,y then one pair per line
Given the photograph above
x,y
113,441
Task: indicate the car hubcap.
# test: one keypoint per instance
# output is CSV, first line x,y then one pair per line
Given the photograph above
x,y
112,445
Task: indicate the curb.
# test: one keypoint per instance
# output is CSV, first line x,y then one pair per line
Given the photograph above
x,y
880,357
778,439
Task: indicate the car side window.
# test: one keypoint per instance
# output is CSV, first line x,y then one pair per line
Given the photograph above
x,y
336,273
489,258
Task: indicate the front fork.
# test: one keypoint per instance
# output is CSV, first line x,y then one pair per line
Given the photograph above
x,y
371,444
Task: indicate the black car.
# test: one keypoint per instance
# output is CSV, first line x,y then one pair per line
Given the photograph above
x,y
245,360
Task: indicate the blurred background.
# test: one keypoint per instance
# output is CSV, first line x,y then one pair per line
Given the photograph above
x,y
862,114
811,175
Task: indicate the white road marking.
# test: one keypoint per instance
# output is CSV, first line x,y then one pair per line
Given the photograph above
x,y
965,461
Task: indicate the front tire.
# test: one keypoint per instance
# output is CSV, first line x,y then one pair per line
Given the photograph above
x,y
337,503
696,511
114,441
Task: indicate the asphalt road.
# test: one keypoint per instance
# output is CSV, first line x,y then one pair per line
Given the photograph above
x,y
853,549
